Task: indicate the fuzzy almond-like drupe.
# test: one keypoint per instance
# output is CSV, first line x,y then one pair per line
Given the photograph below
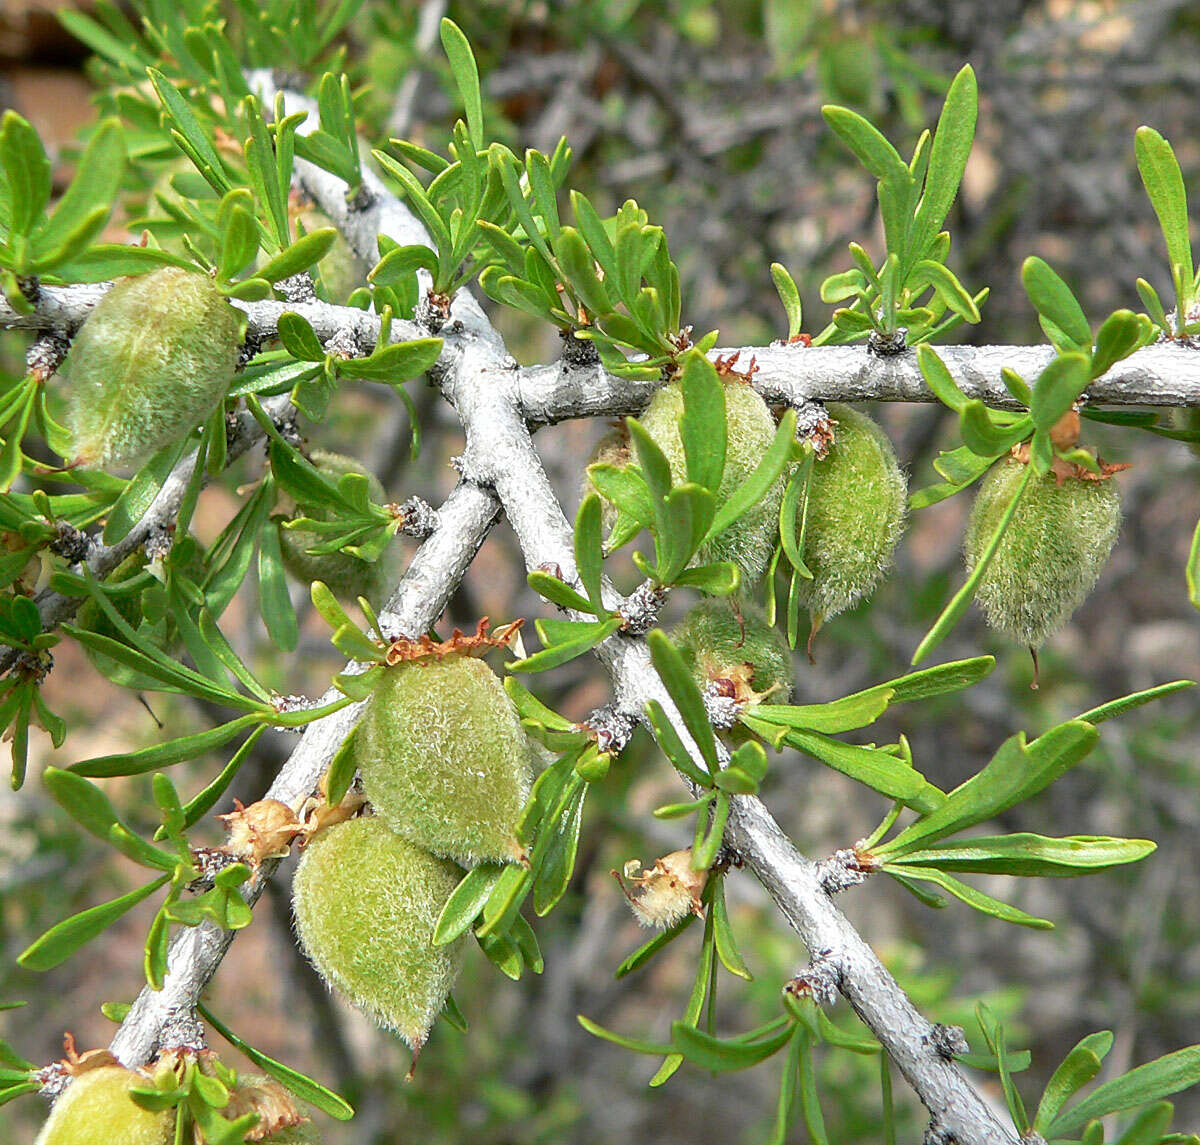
x,y
1052,554
366,903
737,652
150,364
96,1107
346,576
444,759
856,506
749,430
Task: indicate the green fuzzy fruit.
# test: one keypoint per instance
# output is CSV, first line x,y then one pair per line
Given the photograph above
x,y
151,362
346,575
96,1107
366,902
444,759
750,541
1052,553
715,646
856,505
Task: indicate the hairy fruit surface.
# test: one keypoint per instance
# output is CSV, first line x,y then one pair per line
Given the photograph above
x,y
366,902
96,1107
750,429
444,758
1052,554
346,575
150,363
855,515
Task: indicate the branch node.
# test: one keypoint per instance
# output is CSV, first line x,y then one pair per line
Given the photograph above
x,y
819,980
947,1041
345,343
938,1135
578,353
70,543
417,518
639,612
45,354
611,727
249,350
158,542
181,1030
298,288
433,311
721,704
840,871
362,199
887,345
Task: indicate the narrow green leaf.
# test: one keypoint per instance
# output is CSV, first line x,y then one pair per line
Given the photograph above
x,y
683,690
1057,388
164,754
466,76
702,424
1150,1082
465,902
1163,181
139,494
1073,1073
305,252
952,292
789,295
718,1055
638,1045
1127,703
589,553
1032,855
62,940
975,898
947,160
1053,300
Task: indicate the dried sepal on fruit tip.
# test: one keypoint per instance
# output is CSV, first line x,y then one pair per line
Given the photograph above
x,y
366,903
734,652
97,1106
857,498
276,1109
263,830
404,650
444,759
150,363
347,576
667,893
1052,554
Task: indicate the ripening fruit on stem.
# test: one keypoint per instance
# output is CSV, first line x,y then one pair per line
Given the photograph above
x,y
750,429
735,654
366,902
97,1107
346,575
855,515
1052,553
444,759
151,362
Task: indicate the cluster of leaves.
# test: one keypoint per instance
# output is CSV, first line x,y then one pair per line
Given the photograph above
x,y
914,199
